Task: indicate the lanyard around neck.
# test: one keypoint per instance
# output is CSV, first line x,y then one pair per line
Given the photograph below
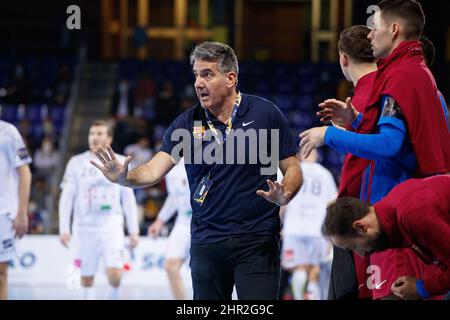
x,y
229,124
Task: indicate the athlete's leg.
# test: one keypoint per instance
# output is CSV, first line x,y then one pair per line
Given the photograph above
x,y
87,253
113,244
114,277
172,267
87,288
298,281
3,280
176,253
8,249
314,282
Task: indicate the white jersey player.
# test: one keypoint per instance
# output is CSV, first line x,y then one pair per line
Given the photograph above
x,y
178,200
97,207
14,196
304,247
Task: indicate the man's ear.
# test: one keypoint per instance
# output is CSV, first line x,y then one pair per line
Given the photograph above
x,y
231,79
395,30
344,58
360,226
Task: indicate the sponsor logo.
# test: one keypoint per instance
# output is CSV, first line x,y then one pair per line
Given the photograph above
x,y
23,153
8,243
378,286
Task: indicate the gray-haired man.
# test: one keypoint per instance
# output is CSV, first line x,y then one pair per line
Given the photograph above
x,y
235,223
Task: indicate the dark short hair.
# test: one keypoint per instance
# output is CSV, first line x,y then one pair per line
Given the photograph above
x,y
353,41
104,123
410,11
341,214
428,50
216,52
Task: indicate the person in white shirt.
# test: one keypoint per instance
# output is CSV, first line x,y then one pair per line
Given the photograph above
x,y
140,151
46,159
304,248
14,196
98,208
178,200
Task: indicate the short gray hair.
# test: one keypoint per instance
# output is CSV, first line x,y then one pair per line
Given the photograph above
x,y
216,52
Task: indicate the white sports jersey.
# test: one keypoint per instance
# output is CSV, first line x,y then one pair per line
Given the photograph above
x,y
178,196
306,212
98,205
13,154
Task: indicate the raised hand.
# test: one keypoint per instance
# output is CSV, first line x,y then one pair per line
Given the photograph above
x,y
312,139
277,193
338,112
112,169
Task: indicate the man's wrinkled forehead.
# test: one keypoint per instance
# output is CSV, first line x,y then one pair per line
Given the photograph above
x,y
202,65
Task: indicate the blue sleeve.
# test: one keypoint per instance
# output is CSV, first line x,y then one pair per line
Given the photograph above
x,y
382,146
287,143
357,121
444,108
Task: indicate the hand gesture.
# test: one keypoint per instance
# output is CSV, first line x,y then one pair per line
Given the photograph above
x,y
338,112
112,169
312,139
277,193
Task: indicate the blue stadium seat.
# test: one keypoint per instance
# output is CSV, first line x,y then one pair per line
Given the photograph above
x,y
306,70
305,102
301,119
285,86
282,71
37,131
283,101
263,87
10,114
306,85
59,127
57,114
33,113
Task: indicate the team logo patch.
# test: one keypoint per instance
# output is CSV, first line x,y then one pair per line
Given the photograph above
x,y
8,243
391,109
199,132
23,153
